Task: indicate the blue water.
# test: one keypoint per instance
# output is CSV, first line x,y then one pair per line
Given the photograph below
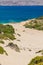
x,y
19,13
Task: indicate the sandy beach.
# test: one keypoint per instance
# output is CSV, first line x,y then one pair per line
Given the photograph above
x,y
29,39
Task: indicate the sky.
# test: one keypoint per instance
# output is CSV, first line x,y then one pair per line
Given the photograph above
x,y
21,2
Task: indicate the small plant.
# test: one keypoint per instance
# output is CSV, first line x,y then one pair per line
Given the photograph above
x,y
18,40
18,34
40,51
2,42
2,51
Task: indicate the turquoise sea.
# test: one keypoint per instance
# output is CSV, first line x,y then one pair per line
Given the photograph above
x,y
19,13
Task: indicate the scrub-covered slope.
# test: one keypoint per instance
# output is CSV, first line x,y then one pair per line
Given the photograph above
x,y
36,23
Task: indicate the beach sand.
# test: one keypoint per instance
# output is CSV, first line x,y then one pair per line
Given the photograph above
x,y
29,39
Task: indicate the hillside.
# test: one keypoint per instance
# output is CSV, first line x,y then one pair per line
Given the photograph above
x,y
21,2
36,23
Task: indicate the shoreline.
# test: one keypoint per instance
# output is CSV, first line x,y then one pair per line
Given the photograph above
x,y
13,21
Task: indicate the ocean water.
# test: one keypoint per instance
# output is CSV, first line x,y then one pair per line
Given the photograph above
x,y
19,13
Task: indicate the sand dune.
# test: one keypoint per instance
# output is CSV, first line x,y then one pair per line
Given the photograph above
x,y
29,39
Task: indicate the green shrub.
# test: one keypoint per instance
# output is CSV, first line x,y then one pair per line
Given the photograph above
x,y
40,63
36,61
8,29
9,36
35,24
2,36
2,51
6,32
2,42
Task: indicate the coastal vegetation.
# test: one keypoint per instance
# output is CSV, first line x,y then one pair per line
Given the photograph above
x,y
7,32
41,17
35,24
2,51
37,61
1,42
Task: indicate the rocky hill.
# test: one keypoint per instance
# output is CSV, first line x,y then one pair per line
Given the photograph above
x,y
21,2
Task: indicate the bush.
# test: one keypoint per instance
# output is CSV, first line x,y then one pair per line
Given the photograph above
x,y
8,29
6,32
36,61
9,36
2,36
2,42
35,24
2,51
40,63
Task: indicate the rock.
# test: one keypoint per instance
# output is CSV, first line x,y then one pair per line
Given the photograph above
x,y
14,46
